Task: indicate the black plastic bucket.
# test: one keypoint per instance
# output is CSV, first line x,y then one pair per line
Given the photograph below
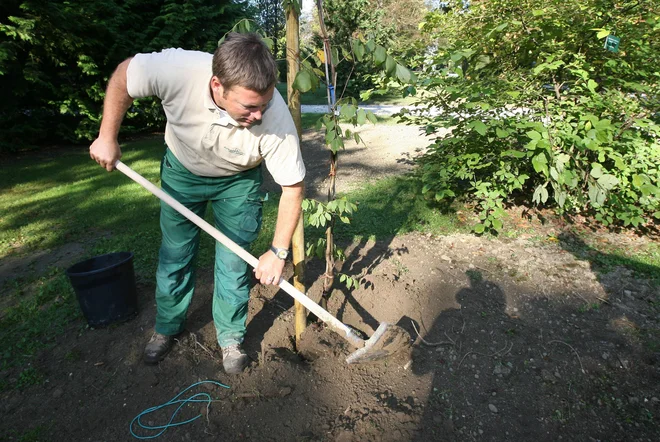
x,y
105,287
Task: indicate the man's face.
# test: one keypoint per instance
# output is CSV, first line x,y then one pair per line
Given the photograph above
x,y
245,106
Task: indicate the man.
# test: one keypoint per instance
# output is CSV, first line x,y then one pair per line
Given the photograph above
x,y
224,117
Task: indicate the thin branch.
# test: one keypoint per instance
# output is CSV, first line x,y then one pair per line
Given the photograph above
x,y
505,350
574,351
433,344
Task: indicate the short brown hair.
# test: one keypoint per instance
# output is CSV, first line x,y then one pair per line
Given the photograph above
x,y
245,60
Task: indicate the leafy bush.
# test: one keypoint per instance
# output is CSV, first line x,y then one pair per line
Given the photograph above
x,y
539,112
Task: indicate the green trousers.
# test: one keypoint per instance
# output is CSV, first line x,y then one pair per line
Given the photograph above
x,y
237,209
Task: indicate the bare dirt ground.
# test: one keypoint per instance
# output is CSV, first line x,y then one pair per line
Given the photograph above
x,y
513,340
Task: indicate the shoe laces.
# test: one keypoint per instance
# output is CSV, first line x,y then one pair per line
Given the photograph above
x,y
232,351
158,338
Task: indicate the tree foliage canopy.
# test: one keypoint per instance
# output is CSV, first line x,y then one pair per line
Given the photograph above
x,y
389,24
55,58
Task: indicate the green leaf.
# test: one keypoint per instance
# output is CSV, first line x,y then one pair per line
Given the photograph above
x,y
497,224
479,126
540,163
592,85
596,195
403,74
501,133
372,117
534,135
554,174
482,62
540,194
330,136
514,153
649,189
348,111
268,42
358,49
560,196
602,33
390,65
479,228
335,56
303,81
380,55
336,144
361,116
597,170
608,181
639,180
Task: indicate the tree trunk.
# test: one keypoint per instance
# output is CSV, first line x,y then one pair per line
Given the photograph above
x,y
293,98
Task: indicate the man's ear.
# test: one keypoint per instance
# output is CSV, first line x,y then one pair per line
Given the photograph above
x,y
217,87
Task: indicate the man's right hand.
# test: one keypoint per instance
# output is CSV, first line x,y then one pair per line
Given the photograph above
x,y
106,152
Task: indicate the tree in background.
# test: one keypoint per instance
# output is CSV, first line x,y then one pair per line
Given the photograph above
x,y
403,18
544,108
270,17
391,24
55,59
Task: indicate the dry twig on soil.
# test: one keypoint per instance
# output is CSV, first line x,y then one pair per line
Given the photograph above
x,y
574,351
196,342
433,344
505,350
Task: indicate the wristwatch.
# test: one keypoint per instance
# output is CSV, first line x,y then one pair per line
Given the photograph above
x,y
280,253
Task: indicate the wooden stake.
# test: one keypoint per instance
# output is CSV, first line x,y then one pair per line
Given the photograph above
x,y
293,98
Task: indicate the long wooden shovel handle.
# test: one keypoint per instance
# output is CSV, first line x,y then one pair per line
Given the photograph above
x,y
313,307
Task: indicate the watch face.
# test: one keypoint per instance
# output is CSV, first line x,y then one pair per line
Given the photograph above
x,y
280,253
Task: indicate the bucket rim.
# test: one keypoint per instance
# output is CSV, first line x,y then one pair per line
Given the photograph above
x,y
129,256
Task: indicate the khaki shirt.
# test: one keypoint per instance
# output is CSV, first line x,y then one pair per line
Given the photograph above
x,y
203,137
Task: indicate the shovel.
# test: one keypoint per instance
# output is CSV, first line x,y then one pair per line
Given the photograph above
x,y
386,340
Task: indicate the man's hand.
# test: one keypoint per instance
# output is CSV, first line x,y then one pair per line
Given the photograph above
x,y
106,152
269,270
105,149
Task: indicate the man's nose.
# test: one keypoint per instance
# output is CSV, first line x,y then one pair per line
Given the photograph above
x,y
257,115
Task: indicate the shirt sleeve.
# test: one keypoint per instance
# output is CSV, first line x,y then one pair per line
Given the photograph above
x,y
140,80
280,146
162,74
